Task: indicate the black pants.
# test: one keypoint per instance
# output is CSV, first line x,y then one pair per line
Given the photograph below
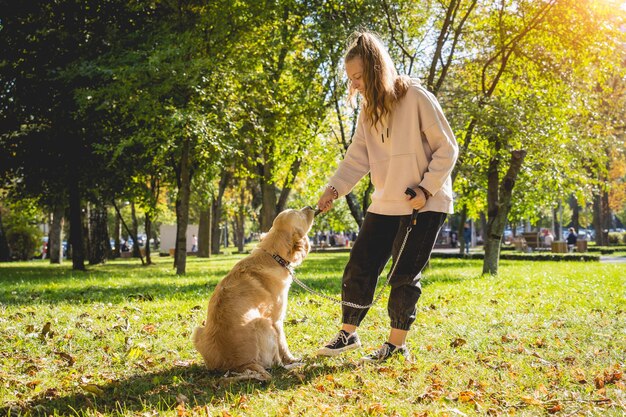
x,y
379,239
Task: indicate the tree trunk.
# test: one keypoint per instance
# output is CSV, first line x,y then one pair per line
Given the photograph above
x,y
240,221
135,229
182,209
148,227
367,195
556,230
216,217
116,237
573,204
76,229
287,184
5,253
55,246
601,218
355,208
204,232
460,233
99,247
498,206
130,232
268,208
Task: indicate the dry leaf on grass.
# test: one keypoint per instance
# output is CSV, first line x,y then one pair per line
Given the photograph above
x,y
458,342
579,375
93,389
69,358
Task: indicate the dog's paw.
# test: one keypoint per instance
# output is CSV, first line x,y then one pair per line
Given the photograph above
x,y
247,375
293,365
289,359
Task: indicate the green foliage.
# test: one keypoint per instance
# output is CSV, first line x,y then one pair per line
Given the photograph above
x,y
617,238
23,241
20,220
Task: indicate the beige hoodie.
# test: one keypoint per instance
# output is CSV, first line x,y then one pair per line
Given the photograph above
x,y
415,146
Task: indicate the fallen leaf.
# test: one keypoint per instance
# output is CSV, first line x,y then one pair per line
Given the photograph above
x,y
599,381
458,342
569,360
376,408
296,321
554,408
466,396
93,389
531,400
149,328
507,338
45,331
33,384
69,358
51,393
181,399
579,375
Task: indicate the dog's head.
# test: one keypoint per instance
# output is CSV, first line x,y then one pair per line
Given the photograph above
x,y
290,229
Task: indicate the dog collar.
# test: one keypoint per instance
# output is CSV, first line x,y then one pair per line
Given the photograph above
x,y
281,261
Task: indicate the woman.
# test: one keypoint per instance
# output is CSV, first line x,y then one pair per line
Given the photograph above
x,y
403,139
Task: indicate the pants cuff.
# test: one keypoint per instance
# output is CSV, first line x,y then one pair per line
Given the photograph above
x,y
401,325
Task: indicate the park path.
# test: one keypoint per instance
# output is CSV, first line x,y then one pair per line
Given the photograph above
x,y
603,259
613,259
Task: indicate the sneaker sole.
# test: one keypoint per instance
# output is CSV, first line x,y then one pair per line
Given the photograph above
x,y
365,359
334,352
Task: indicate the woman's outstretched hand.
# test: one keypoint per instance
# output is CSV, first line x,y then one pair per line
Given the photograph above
x,y
325,203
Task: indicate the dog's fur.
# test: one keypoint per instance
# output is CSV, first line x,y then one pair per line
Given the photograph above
x,y
244,326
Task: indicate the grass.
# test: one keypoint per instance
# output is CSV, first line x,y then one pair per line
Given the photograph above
x,y
542,338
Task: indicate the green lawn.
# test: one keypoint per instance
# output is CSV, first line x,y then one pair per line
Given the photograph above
x,y
543,338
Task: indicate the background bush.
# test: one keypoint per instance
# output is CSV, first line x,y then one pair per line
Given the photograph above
x,y
23,241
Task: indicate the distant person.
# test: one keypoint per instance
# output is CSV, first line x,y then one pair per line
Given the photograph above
x,y
194,245
571,239
467,237
548,238
454,240
125,247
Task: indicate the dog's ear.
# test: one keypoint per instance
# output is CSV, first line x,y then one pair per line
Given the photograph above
x,y
300,248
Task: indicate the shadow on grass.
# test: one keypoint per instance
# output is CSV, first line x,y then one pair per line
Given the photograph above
x,y
106,293
163,390
322,273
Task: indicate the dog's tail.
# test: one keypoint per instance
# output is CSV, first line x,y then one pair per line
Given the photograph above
x,y
198,337
203,342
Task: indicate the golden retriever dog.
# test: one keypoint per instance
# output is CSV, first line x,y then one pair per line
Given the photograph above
x,y
243,330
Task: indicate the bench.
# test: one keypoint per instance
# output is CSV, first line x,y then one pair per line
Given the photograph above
x,y
533,240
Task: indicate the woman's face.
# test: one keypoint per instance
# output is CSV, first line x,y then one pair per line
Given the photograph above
x,y
354,71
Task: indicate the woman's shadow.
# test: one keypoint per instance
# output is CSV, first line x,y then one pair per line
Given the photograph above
x,y
166,389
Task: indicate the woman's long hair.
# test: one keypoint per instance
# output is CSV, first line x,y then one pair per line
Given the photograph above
x,y
383,86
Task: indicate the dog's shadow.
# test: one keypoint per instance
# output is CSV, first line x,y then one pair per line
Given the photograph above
x,y
167,389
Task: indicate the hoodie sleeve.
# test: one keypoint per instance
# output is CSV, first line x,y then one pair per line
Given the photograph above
x,y
441,141
355,164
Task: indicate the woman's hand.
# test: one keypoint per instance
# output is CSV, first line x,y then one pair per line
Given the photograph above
x,y
325,203
419,200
